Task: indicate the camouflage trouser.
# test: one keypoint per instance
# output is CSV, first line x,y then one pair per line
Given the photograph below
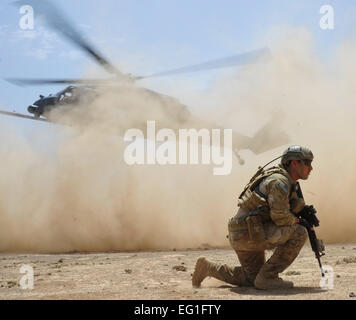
x,y
286,240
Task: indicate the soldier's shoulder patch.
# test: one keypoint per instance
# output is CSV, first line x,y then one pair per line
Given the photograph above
x,y
282,186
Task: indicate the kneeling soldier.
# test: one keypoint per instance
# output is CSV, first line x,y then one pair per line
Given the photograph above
x,y
266,220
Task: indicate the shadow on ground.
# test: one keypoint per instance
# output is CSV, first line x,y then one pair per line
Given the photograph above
x,y
274,292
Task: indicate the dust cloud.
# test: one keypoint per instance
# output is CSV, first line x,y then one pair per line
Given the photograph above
x,y
315,101
84,197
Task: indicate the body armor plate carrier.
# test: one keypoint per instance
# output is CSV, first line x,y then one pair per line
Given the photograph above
x,y
255,204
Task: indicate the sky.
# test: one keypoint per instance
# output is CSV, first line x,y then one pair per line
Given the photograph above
x,y
144,37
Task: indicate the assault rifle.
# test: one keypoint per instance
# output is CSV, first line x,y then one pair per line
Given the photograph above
x,y
308,219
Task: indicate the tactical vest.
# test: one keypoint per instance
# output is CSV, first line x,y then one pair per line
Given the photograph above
x,y
253,201
251,198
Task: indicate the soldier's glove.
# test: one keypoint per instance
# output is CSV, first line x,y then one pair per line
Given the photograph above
x,y
308,213
305,223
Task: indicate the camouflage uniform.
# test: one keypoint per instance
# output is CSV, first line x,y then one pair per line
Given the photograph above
x,y
281,232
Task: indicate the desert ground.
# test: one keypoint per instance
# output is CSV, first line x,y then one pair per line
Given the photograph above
x,y
165,275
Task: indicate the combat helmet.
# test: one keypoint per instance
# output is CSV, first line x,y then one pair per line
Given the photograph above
x,y
296,152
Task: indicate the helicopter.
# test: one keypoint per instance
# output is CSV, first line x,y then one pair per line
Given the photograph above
x,y
79,90
71,95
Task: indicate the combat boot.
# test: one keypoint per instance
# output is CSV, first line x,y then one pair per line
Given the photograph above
x,y
264,283
205,268
201,271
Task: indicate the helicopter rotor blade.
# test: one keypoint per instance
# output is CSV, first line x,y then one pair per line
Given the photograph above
x,y
58,22
35,82
239,59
